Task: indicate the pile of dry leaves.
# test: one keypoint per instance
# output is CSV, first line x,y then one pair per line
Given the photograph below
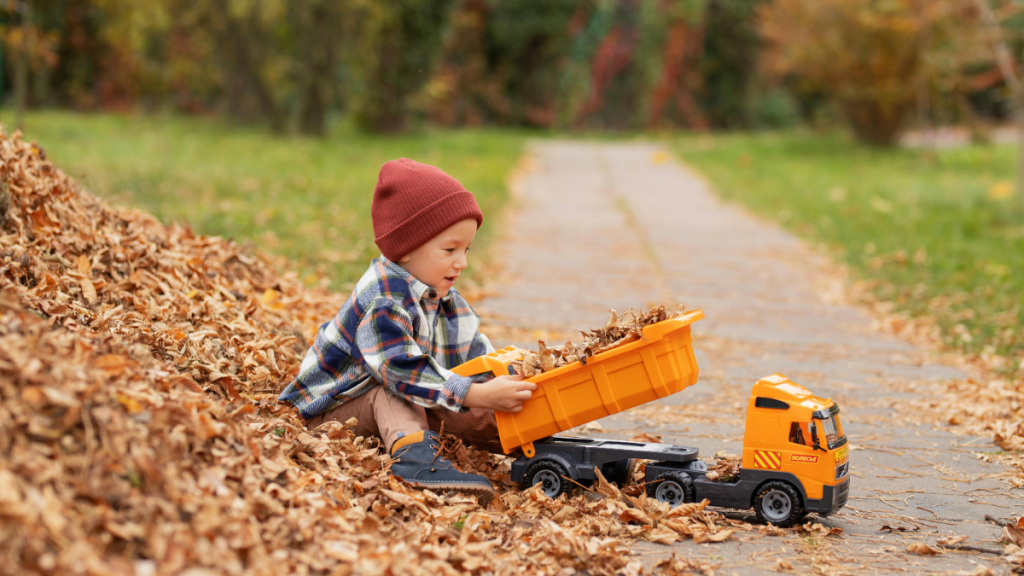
x,y
618,331
725,467
140,434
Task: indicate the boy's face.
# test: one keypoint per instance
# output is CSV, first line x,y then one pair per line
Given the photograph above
x,y
439,261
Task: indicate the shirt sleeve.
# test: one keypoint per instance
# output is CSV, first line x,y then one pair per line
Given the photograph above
x,y
386,341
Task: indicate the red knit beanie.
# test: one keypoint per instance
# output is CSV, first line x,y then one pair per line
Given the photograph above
x,y
414,202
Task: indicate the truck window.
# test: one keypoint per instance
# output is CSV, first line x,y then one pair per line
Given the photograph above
x,y
828,427
797,433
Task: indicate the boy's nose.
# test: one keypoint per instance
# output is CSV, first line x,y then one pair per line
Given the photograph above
x,y
461,263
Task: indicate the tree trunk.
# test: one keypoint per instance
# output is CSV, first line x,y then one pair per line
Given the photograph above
x,y
240,46
924,89
317,63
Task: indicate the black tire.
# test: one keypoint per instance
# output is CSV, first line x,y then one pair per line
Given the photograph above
x,y
779,503
552,475
620,471
673,488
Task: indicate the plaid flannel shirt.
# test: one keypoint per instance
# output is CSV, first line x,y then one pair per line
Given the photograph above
x,y
391,332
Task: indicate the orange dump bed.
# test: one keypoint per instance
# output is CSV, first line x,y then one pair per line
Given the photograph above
x,y
659,364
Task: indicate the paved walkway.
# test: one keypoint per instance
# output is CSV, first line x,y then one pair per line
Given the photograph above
x,y
604,226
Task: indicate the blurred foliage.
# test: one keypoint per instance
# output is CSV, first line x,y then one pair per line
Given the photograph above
x,y
936,232
774,108
290,64
294,65
394,52
621,64
875,58
731,49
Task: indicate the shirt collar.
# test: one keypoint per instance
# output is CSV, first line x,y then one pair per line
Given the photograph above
x,y
420,290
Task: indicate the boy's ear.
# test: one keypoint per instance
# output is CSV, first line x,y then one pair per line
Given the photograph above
x,y
405,258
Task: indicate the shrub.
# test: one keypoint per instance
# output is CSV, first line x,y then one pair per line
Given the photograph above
x,y
870,56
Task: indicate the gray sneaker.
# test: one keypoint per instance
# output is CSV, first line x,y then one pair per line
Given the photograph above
x,y
418,461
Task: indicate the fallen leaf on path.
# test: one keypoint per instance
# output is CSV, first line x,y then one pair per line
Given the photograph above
x,y
647,437
922,549
952,540
771,530
676,565
1013,533
782,566
817,529
898,528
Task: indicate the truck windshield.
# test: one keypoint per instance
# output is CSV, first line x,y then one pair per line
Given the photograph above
x,y
830,431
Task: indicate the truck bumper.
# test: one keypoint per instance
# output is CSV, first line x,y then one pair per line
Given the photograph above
x,y
832,499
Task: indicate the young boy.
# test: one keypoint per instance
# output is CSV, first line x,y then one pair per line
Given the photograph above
x,y
386,357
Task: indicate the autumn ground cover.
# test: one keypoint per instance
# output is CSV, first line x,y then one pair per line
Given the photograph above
x,y
305,199
936,232
140,432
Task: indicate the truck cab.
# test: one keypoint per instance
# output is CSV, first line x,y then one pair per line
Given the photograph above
x,y
795,459
796,437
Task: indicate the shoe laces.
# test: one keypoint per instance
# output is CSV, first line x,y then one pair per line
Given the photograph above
x,y
443,445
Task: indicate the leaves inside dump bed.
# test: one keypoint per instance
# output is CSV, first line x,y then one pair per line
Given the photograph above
x,y
140,433
619,331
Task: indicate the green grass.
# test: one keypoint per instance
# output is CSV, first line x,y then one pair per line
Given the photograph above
x,y
306,199
927,228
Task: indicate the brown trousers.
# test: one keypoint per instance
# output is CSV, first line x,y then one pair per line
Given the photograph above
x,y
386,416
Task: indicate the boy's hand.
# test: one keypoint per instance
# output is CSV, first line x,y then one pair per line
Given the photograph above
x,y
505,393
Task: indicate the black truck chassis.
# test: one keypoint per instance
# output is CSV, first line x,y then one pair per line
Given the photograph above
x,y
580,456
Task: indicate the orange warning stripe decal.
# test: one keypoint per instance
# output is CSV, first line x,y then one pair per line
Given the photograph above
x,y
768,460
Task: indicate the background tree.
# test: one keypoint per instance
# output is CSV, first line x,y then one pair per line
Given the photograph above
x,y
732,44
1010,72
620,64
869,56
395,48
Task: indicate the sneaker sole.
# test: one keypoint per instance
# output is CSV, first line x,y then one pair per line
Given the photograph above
x,y
484,494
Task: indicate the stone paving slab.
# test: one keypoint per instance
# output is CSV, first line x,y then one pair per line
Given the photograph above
x,y
605,226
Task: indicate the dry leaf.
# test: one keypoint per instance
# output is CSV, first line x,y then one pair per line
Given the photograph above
x,y
817,529
88,290
647,437
661,535
548,360
922,549
952,540
676,565
782,566
1013,534
721,535
771,530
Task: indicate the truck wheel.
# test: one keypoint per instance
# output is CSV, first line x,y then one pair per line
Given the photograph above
x,y
621,471
551,476
779,503
674,488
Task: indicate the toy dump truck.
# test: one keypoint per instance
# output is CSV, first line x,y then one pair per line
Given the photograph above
x,y
795,458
